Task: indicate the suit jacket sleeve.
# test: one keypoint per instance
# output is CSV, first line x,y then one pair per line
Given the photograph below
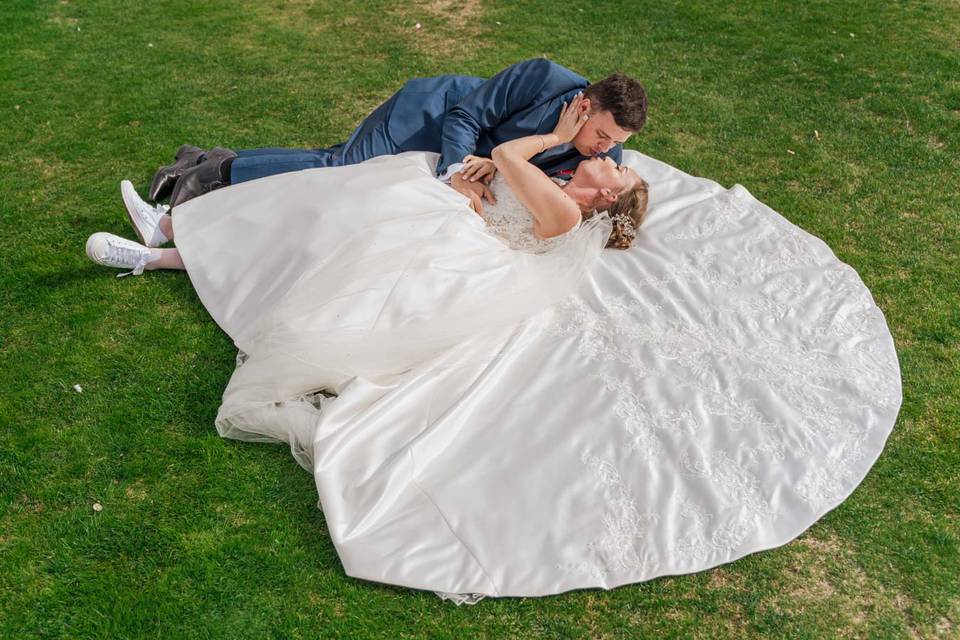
x,y
514,89
616,153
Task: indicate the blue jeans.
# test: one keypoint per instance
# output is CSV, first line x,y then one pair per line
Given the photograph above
x,y
369,140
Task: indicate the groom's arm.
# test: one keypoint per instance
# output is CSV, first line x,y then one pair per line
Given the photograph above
x,y
514,89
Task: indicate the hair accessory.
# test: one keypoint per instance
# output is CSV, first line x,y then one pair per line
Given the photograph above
x,y
624,231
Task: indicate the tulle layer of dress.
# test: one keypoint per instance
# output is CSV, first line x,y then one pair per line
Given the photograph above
x,y
508,424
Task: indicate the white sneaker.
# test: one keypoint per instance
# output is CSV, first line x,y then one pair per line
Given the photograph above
x,y
143,217
113,251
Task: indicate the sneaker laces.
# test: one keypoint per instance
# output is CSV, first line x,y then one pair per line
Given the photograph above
x,y
122,255
149,214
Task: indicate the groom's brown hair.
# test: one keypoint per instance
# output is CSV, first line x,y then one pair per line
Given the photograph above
x,y
623,97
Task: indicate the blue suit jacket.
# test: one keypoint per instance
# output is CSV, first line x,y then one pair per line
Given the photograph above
x,y
462,115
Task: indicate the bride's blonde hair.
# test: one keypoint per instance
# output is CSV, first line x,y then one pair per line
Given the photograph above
x,y
626,214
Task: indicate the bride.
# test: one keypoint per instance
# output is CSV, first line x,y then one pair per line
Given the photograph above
x,y
496,407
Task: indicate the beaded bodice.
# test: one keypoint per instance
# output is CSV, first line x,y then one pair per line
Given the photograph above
x,y
512,222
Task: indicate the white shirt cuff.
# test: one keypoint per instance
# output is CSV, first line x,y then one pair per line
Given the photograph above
x,y
451,169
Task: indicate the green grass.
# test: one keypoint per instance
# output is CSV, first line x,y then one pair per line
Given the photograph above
x,y
201,537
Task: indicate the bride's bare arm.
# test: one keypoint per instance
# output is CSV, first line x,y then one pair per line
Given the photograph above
x,y
554,211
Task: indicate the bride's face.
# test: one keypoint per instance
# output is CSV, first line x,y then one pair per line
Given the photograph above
x,y
605,176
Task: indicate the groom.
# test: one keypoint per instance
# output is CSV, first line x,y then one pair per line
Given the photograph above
x,y
460,117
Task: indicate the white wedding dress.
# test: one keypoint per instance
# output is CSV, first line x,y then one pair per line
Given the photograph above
x,y
526,422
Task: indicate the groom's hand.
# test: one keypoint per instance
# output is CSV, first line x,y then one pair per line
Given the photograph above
x,y
476,168
476,191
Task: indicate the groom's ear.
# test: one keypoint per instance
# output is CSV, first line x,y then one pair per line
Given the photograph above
x,y
585,105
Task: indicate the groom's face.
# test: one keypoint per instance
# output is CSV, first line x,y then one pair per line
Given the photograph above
x,y
599,134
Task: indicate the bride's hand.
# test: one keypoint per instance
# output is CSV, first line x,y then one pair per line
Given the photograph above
x,y
477,168
475,191
572,119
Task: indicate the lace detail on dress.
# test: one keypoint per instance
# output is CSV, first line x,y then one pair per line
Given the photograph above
x,y
461,598
767,283
512,222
